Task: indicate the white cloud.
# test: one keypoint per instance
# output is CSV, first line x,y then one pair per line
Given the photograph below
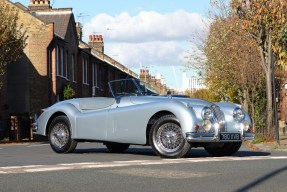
x,y
146,26
147,54
148,38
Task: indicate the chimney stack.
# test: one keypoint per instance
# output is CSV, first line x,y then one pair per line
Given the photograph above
x,y
96,41
79,28
39,5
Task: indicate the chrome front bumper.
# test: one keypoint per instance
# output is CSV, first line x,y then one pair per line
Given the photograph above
x,y
213,137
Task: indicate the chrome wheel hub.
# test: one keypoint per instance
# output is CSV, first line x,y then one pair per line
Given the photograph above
x,y
59,135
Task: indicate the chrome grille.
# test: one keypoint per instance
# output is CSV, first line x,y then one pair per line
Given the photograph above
x,y
219,117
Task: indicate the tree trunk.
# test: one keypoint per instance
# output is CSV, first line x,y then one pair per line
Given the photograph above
x,y
265,46
245,100
269,108
269,88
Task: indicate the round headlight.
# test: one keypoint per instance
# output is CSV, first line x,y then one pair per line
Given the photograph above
x,y
238,114
207,125
206,113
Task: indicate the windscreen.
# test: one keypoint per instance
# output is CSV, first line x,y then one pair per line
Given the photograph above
x,y
125,87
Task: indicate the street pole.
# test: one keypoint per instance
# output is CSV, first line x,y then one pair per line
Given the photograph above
x,y
274,100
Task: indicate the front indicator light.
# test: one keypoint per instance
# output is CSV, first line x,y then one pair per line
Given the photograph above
x,y
196,127
207,125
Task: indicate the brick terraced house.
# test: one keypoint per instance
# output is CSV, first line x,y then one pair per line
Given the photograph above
x,y
55,56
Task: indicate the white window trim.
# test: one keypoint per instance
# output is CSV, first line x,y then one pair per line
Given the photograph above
x,y
66,63
73,68
85,71
87,77
62,62
57,61
95,74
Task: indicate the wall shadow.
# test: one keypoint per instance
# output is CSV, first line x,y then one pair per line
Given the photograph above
x,y
27,93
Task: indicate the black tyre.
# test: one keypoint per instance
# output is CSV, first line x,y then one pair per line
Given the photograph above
x,y
117,147
60,135
227,149
166,138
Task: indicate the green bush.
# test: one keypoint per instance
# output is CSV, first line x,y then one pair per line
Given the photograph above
x,y
68,92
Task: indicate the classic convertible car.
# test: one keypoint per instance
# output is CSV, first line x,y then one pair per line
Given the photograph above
x,y
170,125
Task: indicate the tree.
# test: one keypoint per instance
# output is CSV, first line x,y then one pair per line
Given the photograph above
x,y
12,36
265,21
228,66
204,94
232,64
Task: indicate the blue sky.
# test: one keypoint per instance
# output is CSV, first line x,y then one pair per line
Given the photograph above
x,y
156,34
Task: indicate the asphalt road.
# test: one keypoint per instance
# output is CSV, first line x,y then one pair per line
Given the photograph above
x,y
35,167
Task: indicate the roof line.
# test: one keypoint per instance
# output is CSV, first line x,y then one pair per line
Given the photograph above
x,y
53,13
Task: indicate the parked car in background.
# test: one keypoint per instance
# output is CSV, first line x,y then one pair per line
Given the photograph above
x,y
170,125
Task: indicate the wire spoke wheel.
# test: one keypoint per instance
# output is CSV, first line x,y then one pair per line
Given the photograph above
x,y
166,138
60,135
169,137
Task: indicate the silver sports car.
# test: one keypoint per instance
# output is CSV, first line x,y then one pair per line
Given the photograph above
x,y
135,115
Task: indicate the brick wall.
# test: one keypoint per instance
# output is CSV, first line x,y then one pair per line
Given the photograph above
x,y
27,78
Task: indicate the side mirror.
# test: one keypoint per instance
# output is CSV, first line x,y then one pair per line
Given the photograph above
x,y
118,99
227,99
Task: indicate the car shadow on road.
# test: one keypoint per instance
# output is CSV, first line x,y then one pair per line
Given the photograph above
x,y
133,151
147,151
197,153
251,153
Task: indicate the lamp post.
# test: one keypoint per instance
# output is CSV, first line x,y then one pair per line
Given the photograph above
x,y
145,73
274,100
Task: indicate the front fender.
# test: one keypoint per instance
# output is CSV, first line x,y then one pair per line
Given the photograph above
x,y
50,113
185,115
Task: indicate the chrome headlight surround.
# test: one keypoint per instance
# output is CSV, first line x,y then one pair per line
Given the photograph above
x,y
206,113
238,114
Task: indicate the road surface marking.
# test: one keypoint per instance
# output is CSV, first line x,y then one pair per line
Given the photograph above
x,y
71,164
46,169
159,173
39,145
21,167
89,165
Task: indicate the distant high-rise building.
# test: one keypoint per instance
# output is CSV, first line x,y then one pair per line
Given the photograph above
x,y
192,83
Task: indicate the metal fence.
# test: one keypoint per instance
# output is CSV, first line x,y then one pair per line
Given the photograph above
x,y
18,128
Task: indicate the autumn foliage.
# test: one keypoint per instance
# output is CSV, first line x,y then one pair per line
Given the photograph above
x,y
12,38
247,42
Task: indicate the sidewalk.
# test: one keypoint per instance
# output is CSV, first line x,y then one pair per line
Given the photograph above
x,y
270,146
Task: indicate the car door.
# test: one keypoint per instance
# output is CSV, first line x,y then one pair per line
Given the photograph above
x,y
92,125
127,123
92,122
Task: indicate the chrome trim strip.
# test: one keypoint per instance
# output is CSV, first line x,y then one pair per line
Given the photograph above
x,y
248,135
219,118
211,137
201,137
